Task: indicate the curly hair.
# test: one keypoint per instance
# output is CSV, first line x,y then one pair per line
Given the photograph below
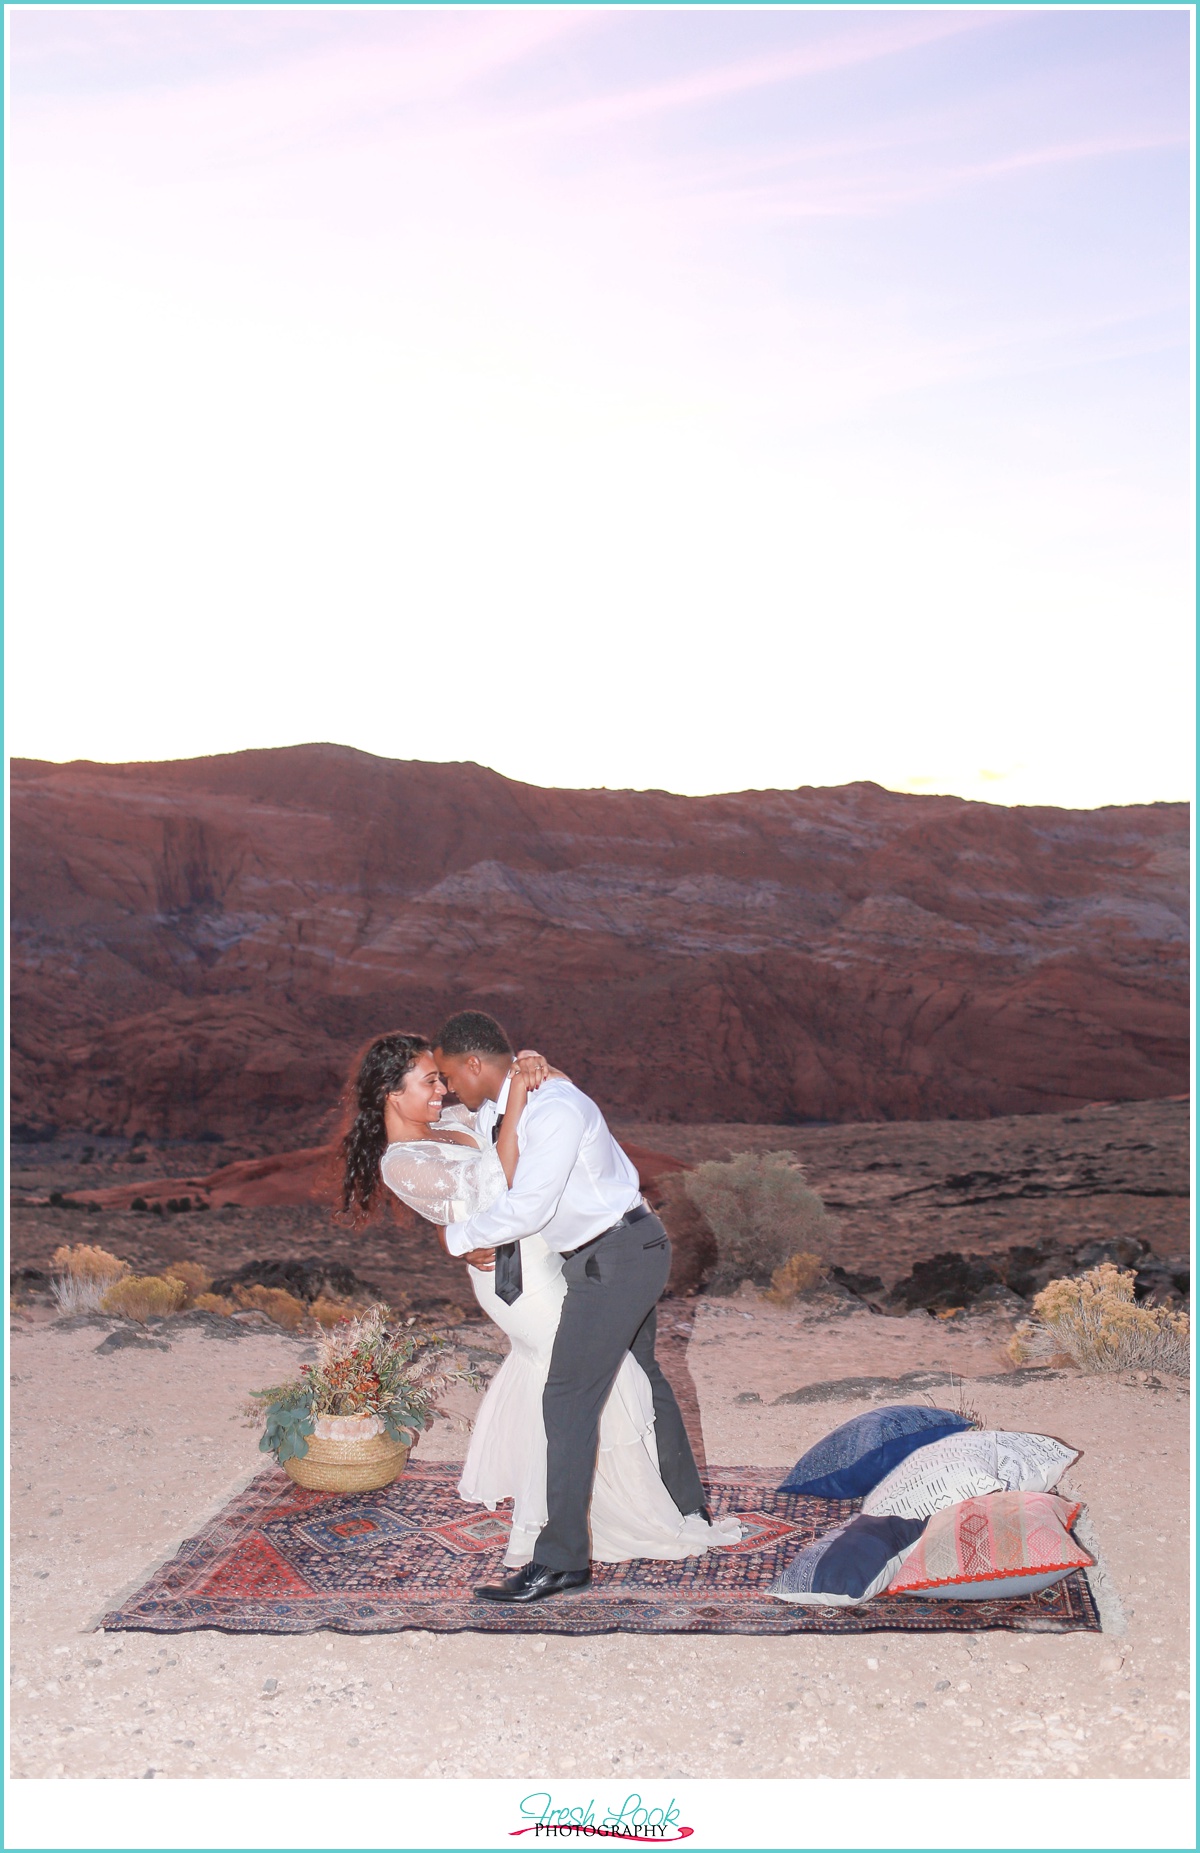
x,y
381,1070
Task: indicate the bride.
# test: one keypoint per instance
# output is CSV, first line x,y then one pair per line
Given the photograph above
x,y
431,1158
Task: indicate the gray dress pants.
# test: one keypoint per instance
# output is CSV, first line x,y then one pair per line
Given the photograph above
x,y
613,1287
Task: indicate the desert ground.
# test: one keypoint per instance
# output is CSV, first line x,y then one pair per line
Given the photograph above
x,y
896,1192
119,1455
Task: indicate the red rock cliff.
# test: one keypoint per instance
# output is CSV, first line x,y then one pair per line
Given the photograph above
x,y
200,945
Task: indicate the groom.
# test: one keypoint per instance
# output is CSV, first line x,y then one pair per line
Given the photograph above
x,y
575,1188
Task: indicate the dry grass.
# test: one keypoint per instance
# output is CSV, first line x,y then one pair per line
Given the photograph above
x,y
329,1312
799,1276
144,1296
83,1275
1094,1322
761,1213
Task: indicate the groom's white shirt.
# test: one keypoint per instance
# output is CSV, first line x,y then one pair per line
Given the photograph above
x,y
572,1180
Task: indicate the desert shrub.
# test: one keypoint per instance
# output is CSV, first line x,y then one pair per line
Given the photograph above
x,y
693,1244
1095,1321
800,1274
195,1279
212,1303
329,1312
83,1275
279,1305
761,1212
305,1277
144,1296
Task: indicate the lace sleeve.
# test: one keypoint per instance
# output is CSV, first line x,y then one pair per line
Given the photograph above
x,y
458,1116
443,1183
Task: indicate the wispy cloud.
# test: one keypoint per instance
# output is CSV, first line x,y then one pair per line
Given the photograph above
x,y
849,345
875,38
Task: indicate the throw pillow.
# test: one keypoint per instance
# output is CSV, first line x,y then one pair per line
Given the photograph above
x,y
850,1564
859,1454
1031,1463
986,1460
1005,1544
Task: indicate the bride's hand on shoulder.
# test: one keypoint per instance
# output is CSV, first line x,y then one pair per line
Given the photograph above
x,y
534,1069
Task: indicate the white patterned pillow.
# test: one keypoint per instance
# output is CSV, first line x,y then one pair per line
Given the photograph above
x,y
959,1467
1031,1463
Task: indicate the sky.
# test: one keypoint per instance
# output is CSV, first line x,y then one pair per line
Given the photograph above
x,y
695,399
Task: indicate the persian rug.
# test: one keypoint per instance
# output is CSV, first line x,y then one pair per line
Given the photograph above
x,y
281,1560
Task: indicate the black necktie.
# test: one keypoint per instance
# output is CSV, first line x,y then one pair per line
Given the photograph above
x,y
508,1254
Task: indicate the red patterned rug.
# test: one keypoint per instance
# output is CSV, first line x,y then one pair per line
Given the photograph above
x,y
279,1560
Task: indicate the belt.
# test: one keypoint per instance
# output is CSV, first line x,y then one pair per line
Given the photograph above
x,y
638,1213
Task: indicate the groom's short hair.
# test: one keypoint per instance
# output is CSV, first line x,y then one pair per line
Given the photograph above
x,y
473,1032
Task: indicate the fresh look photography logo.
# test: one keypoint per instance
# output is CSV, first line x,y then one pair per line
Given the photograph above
x,y
632,1819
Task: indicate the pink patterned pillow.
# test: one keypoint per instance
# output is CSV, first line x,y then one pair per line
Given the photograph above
x,y
997,1544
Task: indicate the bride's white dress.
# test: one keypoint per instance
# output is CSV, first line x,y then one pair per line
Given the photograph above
x,y
632,1514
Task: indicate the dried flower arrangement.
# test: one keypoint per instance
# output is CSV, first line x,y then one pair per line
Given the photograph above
x,y
370,1366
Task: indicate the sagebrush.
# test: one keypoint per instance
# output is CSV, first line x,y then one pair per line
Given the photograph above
x,y
761,1212
83,1275
144,1296
1094,1321
800,1275
196,1279
277,1303
213,1303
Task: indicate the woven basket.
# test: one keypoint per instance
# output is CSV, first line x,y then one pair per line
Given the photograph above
x,y
356,1466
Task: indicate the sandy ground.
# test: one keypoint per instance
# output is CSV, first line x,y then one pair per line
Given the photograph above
x,y
118,1457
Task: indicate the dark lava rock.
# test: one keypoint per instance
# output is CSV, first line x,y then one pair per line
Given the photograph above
x,y
1026,1270
126,1337
76,1322
846,1389
977,1180
1033,1374
944,1281
1164,1282
213,1325
999,1299
866,1286
831,1289
901,1389
1125,1250
27,1278
307,1278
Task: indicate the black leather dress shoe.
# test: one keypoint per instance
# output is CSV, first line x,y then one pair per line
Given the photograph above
x,y
532,1582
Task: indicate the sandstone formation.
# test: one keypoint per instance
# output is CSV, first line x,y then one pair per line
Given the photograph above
x,y
200,946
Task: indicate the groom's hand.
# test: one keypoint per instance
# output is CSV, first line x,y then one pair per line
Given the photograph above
x,y
482,1258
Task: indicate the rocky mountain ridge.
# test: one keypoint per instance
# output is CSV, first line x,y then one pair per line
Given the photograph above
x,y
199,946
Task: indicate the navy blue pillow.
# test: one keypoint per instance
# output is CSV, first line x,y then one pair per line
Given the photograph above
x,y
852,1461
851,1564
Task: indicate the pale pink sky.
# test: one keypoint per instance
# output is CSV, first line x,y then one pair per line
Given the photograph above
x,y
698,399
